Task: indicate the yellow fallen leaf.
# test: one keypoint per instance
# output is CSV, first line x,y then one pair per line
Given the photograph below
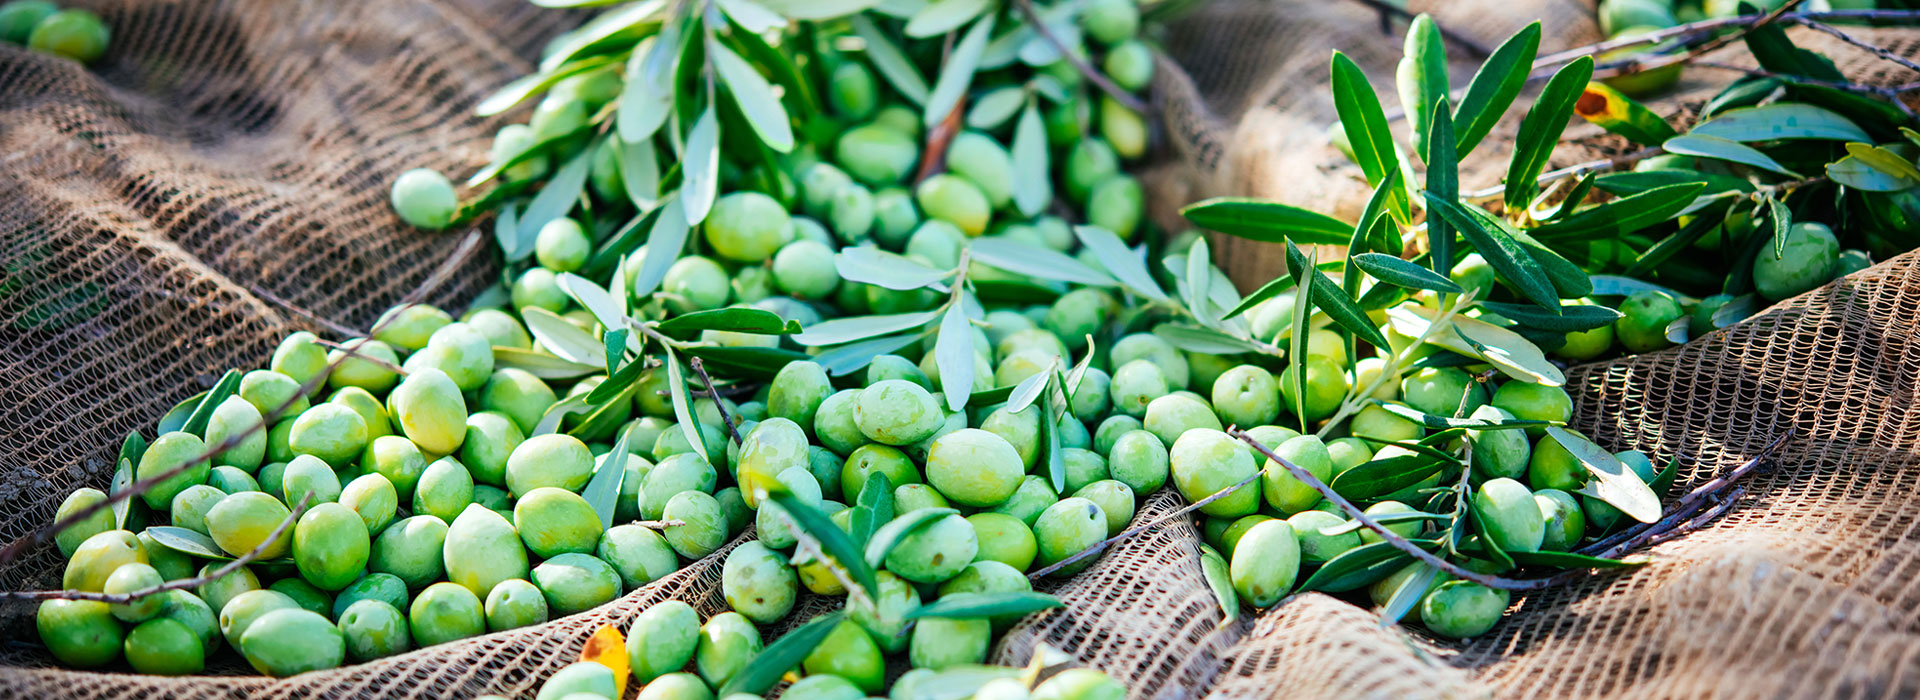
x,y
608,648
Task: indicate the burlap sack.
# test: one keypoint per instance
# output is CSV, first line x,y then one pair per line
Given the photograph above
x,y
225,148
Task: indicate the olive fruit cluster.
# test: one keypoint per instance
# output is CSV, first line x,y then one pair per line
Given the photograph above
x,y
679,638
42,26
439,505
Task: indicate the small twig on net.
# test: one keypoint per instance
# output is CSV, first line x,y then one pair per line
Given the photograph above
x,y
1690,503
1738,472
180,585
354,351
1692,524
1389,9
344,330
1102,545
1394,538
1714,45
718,405
14,549
1093,75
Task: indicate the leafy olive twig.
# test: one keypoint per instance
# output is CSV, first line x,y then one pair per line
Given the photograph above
x,y
439,276
1571,171
1394,538
182,584
701,369
1102,545
1690,525
807,548
1692,502
1389,9
1080,64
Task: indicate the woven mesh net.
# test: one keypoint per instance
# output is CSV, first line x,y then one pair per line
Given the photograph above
x,y
226,154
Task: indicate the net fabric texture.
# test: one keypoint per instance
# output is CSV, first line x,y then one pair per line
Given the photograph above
x,y
224,148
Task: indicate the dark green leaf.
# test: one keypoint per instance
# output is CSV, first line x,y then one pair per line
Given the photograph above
x,y
1485,542
1777,53
616,383
1359,567
222,390
979,605
1617,286
1495,86
1782,220
123,477
1271,289
1663,481
783,655
1443,180
603,418
890,534
1623,184
746,361
735,319
1781,120
175,419
1119,260
1572,317
1019,292
1271,222
1575,198
1392,270
1622,115
1384,476
1422,80
1337,305
956,75
1540,131
835,542
617,246
1366,128
1504,254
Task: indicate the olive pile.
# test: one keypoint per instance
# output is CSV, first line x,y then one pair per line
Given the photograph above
x,y
42,26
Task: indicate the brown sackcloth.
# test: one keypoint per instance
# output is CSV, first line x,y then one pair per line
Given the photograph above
x,y
227,146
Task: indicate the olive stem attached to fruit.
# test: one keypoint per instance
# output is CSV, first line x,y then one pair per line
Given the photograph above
x,y
180,585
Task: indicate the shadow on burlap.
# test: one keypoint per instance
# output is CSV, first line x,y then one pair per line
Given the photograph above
x,y
224,147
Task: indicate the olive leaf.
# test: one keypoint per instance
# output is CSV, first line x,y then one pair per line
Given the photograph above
x,y
1199,281
890,534
784,654
845,330
1717,148
1360,567
540,364
851,357
733,319
517,91
550,421
1506,350
639,165
664,242
1540,130
869,264
1613,482
176,417
887,58
560,337
1443,180
554,201
993,109
1376,478
1569,560
751,16
1501,560
1213,568
131,450
1408,594
1433,421
1495,86
1032,185
1619,114
1572,317
942,16
1124,263
1202,340
1618,286
619,27
683,406
603,491
746,361
596,301
189,542
1027,391
1034,261
874,509
1050,441
1501,252
1395,271
1422,81
754,94
647,98
1328,297
980,605
1365,124
957,74
818,9
1622,216
1383,519
506,230
700,168
953,354
1270,222
222,390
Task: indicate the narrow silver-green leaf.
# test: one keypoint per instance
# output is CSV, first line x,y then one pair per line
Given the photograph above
x,y
752,16
1781,120
1612,482
1200,281
1495,86
1270,222
603,491
889,535
664,242
869,264
560,337
1202,340
1213,568
874,508
1409,594
519,90
1506,350
851,357
550,421
1329,298
1034,261
982,605
700,170
1027,391
556,198
956,75
189,542
1122,262
818,9
847,330
754,94
1032,184
1300,268
996,107
540,364
892,63
1724,149
953,354
629,21
1050,441
596,301
647,98
640,172
683,405
942,16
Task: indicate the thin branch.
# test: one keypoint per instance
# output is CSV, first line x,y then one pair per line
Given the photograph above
x,y
1143,527
1843,36
940,140
659,524
1094,76
1709,25
732,430
1692,524
1692,502
1738,472
1390,9
354,351
1890,93
1394,538
180,585
14,549
1571,171
344,330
